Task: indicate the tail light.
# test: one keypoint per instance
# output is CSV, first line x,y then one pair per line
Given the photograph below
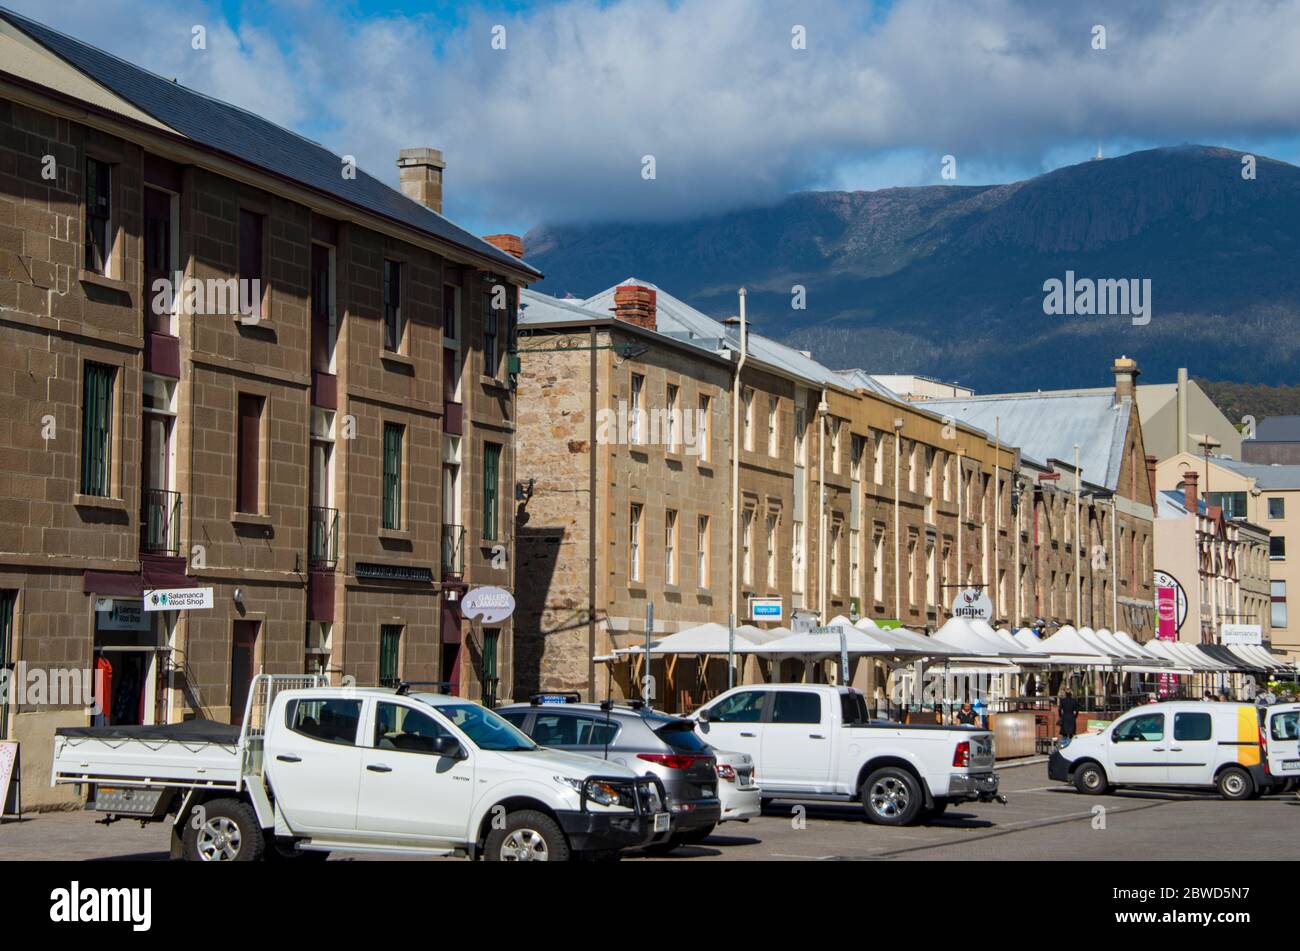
x,y
727,772
961,755
672,760
1263,742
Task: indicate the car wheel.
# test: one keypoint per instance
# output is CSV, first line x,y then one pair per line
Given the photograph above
x,y
1234,783
223,830
891,797
527,836
939,807
1090,779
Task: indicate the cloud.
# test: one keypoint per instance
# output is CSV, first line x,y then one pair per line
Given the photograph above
x,y
555,126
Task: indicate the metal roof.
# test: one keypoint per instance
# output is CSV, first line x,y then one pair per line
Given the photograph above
x,y
225,128
1048,425
1265,476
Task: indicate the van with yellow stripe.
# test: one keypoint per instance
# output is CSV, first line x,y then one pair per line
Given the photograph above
x,y
1179,743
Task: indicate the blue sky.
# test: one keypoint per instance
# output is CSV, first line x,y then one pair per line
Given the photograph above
x,y
557,125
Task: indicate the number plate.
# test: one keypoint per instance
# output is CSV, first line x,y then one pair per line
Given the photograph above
x,y
1291,764
661,821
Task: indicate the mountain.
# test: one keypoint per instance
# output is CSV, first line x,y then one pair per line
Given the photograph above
x,y
948,280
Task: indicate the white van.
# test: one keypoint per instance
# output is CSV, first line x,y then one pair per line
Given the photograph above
x,y
1186,743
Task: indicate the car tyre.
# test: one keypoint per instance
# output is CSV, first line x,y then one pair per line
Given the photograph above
x,y
891,797
223,830
1234,783
527,836
1090,779
935,810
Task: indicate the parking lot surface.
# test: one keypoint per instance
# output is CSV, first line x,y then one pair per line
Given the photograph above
x,y
1043,820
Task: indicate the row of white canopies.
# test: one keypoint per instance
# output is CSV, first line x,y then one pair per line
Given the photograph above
x,y
976,646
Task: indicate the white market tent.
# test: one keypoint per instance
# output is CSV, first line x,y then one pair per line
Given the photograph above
x,y
1256,654
1029,639
825,642
707,638
961,635
1069,648
911,641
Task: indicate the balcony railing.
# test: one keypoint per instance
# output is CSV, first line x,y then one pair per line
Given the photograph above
x,y
453,551
160,522
322,537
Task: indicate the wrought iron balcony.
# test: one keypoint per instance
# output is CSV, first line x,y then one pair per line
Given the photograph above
x,y
322,537
453,551
160,522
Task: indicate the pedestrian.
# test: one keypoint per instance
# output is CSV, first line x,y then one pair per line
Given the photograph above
x,y
1223,697
965,716
1067,711
1207,697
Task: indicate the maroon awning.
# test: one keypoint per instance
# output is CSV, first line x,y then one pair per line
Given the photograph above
x,y
112,583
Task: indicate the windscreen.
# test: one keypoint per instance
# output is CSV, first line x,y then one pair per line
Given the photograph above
x,y
679,734
488,730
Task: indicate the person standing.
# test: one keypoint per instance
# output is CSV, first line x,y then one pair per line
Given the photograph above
x,y
1067,710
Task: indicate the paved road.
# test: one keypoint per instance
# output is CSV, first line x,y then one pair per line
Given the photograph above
x,y
1042,821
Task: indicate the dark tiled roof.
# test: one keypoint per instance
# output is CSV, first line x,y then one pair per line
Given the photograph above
x,y
237,132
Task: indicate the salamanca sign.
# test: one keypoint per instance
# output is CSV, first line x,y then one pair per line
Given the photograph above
x,y
489,605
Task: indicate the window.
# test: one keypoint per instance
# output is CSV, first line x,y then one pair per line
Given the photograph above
x,y
800,437
394,433
790,706
1145,728
634,542
1277,547
1278,590
491,358
835,560
158,257
744,707
670,547
491,490
771,551
796,556
1192,726
250,264
835,445
877,457
670,419
451,355
747,543
489,674
702,550
486,729
390,650
331,721
1285,726
324,331
394,323
248,474
878,563
635,433
1232,503
929,472
97,429
771,427
855,457
99,214
855,566
568,730
706,409
747,400
406,730
1276,508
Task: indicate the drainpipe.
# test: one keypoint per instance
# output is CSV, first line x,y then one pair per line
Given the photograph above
x,y
997,512
961,491
1114,567
737,446
1020,595
898,563
1078,545
822,541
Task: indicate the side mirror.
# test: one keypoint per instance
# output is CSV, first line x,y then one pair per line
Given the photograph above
x,y
448,746
706,715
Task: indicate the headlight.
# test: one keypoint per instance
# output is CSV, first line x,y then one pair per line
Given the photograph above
x,y
574,784
601,793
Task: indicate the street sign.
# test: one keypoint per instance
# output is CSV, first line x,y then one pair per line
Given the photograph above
x,y
1241,634
488,604
178,599
972,603
764,609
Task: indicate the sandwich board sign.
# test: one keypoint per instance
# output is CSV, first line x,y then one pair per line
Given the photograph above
x,y
8,769
487,605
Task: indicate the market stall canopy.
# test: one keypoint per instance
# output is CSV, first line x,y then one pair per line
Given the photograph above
x,y
1125,638
1259,655
1028,638
1229,659
826,641
1187,654
707,638
910,640
1114,645
759,635
962,636
1068,647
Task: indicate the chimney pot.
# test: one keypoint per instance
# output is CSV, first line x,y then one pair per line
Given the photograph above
x,y
1191,480
637,305
421,176
1126,373
511,244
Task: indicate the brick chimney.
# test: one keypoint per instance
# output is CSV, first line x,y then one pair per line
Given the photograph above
x,y
1126,373
421,176
637,305
1191,480
511,244
1151,474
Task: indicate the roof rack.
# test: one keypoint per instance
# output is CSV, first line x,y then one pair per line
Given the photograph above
x,y
404,686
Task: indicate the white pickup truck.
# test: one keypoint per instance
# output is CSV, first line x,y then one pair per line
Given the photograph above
x,y
818,742
316,769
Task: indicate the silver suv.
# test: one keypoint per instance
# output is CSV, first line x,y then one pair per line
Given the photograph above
x,y
641,739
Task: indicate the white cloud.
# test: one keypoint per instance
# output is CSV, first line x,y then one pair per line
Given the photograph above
x,y
556,125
